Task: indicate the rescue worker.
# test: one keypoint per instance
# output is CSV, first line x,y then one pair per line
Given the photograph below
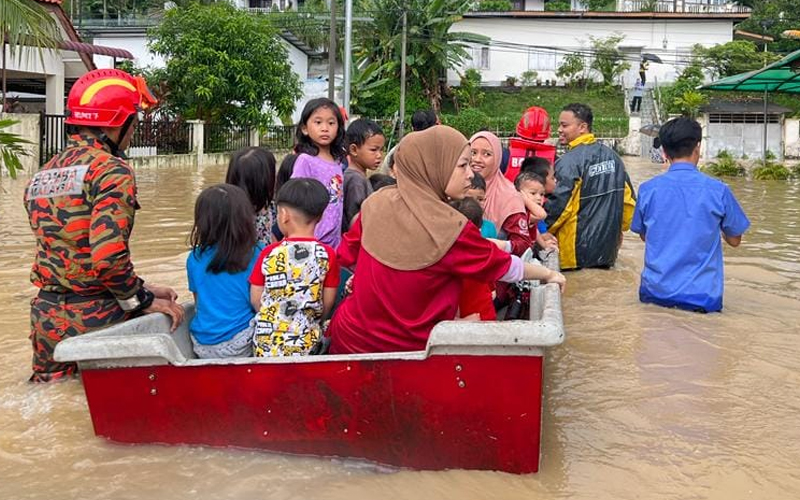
x,y
81,208
594,199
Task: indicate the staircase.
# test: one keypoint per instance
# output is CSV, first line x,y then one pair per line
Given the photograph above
x,y
649,115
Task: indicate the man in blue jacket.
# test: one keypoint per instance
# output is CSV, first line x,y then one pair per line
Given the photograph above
x,y
680,216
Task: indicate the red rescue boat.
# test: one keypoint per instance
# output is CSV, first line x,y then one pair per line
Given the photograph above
x,y
471,400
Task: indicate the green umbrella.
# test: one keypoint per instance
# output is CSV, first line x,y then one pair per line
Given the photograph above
x,y
781,76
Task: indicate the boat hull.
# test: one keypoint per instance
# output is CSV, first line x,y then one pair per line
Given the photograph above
x,y
471,400
444,412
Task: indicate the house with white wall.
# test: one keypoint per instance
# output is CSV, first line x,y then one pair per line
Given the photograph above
x,y
538,40
134,40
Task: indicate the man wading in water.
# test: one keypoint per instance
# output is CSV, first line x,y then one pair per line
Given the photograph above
x,y
593,201
81,207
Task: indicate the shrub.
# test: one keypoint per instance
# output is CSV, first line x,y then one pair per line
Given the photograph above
x,y
511,81
770,171
558,6
494,6
468,121
725,166
528,78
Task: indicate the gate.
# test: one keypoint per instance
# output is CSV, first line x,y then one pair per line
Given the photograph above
x,y
52,136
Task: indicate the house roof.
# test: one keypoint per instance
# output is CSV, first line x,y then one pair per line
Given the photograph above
x,y
543,14
750,107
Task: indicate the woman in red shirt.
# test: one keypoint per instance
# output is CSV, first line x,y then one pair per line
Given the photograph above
x,y
413,250
503,205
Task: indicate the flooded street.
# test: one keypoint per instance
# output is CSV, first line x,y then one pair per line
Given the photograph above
x,y
640,401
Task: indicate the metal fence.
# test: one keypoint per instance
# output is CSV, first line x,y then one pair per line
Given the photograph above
x,y
279,137
52,136
223,138
162,137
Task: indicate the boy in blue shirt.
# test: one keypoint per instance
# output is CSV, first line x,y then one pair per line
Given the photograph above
x,y
680,215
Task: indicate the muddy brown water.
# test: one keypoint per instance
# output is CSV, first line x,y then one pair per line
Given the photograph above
x,y
640,402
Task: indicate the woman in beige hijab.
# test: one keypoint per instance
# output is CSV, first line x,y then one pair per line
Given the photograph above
x,y
412,251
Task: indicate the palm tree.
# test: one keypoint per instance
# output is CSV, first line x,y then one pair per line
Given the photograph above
x,y
25,23
432,47
22,23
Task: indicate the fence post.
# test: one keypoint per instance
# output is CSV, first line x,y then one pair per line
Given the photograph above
x,y
255,137
198,132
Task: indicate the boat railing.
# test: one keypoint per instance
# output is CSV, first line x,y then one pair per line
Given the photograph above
x,y
147,341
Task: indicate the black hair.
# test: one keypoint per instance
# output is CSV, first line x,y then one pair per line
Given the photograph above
x,y
478,182
378,181
504,157
303,141
253,169
307,196
224,220
422,119
360,130
469,208
680,136
536,164
528,176
286,170
582,112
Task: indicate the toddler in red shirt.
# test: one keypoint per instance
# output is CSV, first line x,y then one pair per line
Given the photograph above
x,y
476,296
531,187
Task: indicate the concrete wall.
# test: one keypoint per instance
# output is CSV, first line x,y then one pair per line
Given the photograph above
x,y
791,137
741,139
187,160
534,39
27,128
135,43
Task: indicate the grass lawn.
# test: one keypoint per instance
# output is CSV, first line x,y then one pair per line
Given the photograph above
x,y
499,102
502,108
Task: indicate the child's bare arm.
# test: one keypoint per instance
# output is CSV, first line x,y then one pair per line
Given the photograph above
x,y
255,296
535,210
328,298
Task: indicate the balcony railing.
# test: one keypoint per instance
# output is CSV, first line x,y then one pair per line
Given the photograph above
x,y
116,22
680,6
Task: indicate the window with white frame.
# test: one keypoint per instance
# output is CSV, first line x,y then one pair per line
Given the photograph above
x,y
480,57
543,60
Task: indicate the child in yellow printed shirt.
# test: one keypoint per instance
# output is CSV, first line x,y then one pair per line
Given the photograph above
x,y
293,285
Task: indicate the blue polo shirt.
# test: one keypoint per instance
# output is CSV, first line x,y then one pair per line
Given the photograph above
x,y
681,214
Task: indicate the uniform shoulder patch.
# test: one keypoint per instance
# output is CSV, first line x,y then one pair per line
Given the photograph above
x,y
54,182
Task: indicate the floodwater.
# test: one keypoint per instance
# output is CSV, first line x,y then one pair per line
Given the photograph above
x,y
640,402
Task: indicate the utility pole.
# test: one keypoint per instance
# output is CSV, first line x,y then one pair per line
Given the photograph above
x,y
332,54
403,74
348,48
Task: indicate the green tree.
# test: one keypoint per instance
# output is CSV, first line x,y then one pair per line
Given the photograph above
x,y
737,56
690,78
773,17
469,93
608,59
223,65
689,103
432,48
571,66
